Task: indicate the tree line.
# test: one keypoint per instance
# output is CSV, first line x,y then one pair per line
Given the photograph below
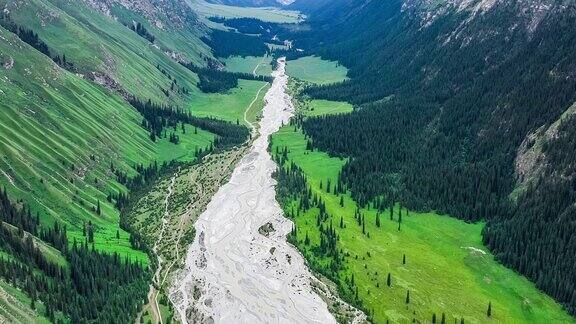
x,y
213,80
91,288
225,44
441,131
142,31
29,37
157,118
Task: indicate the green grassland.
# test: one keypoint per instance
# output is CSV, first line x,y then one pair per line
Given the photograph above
x,y
96,43
249,64
314,108
265,14
232,105
61,133
447,269
316,70
58,144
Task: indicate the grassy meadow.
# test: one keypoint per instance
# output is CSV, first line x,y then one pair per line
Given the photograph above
x,y
315,70
249,64
315,107
61,133
232,105
447,269
276,15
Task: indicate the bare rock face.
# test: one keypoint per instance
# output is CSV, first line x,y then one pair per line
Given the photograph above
x,y
531,162
158,12
530,13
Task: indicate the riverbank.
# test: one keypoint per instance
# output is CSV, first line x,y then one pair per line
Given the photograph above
x,y
233,273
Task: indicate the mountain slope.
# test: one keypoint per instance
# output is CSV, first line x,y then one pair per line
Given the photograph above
x,y
95,103
252,3
447,92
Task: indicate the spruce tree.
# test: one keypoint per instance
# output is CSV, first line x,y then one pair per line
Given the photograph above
x,y
408,297
389,280
489,311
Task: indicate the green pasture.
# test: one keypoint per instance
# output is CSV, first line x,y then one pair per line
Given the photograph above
x,y
315,70
447,269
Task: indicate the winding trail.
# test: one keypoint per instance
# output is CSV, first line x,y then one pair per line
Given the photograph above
x,y
233,274
153,292
250,107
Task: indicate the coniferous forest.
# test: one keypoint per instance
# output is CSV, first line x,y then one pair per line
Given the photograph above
x,y
214,80
226,44
92,287
441,131
463,108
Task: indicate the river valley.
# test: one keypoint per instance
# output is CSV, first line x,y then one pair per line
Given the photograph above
x,y
233,273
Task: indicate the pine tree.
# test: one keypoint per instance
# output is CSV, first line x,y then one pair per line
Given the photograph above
x,y
489,311
443,320
341,222
90,232
434,318
408,297
377,219
98,210
404,259
341,201
389,280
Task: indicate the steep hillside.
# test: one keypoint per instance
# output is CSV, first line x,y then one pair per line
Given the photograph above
x,y
106,49
447,94
95,104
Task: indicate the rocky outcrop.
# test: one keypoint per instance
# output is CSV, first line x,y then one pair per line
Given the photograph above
x,y
159,13
9,63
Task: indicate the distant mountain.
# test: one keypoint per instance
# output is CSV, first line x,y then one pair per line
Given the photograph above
x,y
468,106
252,3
